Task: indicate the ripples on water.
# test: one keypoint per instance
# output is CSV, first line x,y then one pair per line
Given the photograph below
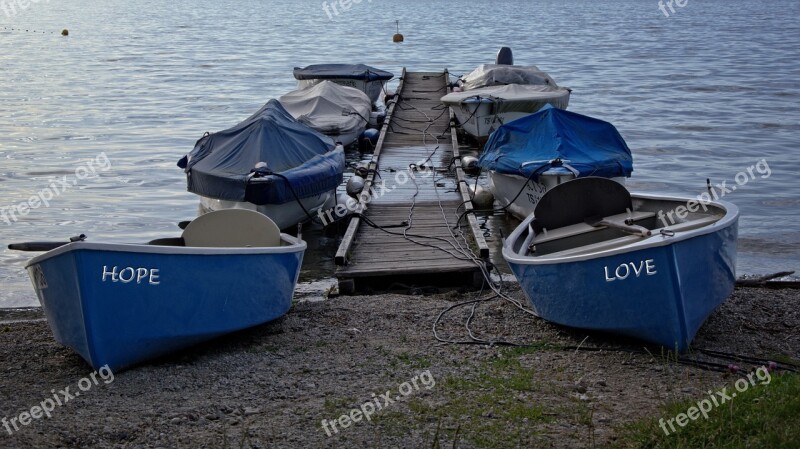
x,y
702,94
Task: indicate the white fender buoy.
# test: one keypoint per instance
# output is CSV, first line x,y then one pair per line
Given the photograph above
x,y
354,185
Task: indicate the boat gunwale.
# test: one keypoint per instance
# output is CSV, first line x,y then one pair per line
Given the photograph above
x,y
556,93
656,240
292,245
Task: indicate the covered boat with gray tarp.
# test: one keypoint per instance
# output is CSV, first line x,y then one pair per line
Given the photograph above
x,y
494,94
338,111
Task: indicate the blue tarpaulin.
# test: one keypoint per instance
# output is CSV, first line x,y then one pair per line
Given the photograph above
x,y
555,137
221,164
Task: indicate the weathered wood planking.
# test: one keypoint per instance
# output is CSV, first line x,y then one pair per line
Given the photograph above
x,y
419,193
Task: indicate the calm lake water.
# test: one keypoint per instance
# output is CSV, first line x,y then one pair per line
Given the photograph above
x,y
705,93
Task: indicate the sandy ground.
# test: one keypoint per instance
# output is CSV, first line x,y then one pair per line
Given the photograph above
x,y
272,386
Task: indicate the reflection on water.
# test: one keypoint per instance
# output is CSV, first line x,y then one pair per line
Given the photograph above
x,y
703,94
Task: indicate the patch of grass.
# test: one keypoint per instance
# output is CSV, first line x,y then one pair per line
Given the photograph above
x,y
490,409
785,359
419,362
412,361
765,416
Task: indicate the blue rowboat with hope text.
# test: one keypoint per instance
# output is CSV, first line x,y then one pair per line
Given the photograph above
x,y
121,304
593,256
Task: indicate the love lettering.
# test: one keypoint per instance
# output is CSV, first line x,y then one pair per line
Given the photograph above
x,y
625,270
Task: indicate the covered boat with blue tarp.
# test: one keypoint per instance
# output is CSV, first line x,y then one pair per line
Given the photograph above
x,y
270,162
531,155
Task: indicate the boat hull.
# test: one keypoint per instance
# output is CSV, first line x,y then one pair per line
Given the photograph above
x,y
119,305
284,215
479,116
345,137
660,289
507,187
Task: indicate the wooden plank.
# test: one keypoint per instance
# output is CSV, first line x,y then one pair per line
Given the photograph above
x,y
418,129
483,248
391,270
344,247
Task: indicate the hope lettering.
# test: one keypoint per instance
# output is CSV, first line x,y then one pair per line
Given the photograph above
x,y
130,274
626,269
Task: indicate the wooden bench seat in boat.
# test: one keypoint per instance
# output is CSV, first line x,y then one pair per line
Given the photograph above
x,y
582,228
620,241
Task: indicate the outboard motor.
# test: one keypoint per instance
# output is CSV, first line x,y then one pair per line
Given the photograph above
x,y
504,56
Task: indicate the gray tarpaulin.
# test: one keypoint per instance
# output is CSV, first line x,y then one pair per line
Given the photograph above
x,y
328,107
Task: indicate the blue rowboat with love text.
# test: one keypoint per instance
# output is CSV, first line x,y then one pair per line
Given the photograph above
x,y
122,304
593,256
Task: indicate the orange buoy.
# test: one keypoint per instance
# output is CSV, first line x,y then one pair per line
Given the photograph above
x,y
397,38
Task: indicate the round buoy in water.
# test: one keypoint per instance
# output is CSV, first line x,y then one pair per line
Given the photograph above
x,y
354,185
65,32
397,37
482,198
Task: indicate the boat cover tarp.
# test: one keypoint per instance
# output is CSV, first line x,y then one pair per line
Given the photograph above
x,y
513,97
554,137
349,71
220,165
500,74
328,107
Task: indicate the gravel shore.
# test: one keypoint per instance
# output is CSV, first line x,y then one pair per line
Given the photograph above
x,y
272,386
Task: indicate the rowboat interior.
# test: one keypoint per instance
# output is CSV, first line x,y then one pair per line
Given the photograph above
x,y
658,216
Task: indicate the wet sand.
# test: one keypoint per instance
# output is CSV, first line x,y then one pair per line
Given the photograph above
x,y
272,386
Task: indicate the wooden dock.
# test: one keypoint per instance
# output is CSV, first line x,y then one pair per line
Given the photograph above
x,y
404,234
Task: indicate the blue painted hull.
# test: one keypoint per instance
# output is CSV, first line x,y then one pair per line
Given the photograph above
x,y
159,299
659,290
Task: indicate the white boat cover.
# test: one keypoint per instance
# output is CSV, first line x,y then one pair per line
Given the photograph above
x,y
328,107
497,75
513,97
